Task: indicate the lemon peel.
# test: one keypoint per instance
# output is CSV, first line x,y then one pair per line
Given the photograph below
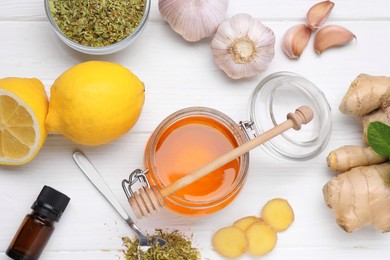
x,y
95,102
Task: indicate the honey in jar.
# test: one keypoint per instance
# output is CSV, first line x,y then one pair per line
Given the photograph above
x,y
186,141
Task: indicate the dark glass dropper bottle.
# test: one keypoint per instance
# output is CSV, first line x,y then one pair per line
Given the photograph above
x,y
37,227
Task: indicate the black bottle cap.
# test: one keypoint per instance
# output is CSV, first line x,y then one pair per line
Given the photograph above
x,y
51,203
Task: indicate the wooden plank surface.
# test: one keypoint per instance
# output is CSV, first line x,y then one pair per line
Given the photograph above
x,y
178,74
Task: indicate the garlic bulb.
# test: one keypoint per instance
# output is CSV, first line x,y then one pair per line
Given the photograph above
x,y
243,46
193,19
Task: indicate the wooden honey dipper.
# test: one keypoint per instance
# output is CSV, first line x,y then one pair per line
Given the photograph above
x,y
148,200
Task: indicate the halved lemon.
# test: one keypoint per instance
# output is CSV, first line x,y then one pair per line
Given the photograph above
x,y
23,110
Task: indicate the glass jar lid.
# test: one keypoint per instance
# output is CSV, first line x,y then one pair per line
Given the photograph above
x,y
279,94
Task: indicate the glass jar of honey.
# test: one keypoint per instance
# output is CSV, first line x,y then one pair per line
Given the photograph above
x,y
187,140
193,137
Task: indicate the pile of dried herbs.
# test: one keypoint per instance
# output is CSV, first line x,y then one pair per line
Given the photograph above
x,y
180,249
97,23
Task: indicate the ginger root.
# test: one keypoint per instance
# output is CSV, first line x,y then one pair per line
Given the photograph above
x,y
278,214
366,94
368,97
350,156
361,197
382,115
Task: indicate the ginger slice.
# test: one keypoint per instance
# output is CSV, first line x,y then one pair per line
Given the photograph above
x,y
245,222
278,214
261,238
229,242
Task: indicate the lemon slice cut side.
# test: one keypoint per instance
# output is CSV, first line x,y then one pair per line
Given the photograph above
x,y
19,130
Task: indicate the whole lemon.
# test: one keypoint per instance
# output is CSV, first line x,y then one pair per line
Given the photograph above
x,y
23,110
95,102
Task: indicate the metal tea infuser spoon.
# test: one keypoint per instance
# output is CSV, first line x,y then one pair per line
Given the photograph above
x,y
145,242
149,199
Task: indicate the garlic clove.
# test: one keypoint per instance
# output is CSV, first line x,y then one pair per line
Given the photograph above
x,y
295,40
243,47
193,19
332,36
318,14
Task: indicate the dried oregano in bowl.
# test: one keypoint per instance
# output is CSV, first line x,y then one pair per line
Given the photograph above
x,y
181,248
97,26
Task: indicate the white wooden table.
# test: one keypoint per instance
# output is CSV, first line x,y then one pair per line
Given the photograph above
x,y
178,74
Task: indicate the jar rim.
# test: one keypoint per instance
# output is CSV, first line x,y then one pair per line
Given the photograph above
x,y
104,49
280,93
209,113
